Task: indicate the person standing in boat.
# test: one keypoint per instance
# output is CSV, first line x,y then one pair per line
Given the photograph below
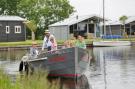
x,y
80,42
34,50
46,42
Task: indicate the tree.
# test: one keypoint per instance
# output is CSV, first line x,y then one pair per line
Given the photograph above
x,y
8,7
123,19
32,26
44,12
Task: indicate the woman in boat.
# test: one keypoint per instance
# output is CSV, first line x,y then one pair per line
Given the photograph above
x,y
46,41
80,42
34,50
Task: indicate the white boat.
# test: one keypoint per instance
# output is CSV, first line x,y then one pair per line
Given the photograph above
x,y
111,43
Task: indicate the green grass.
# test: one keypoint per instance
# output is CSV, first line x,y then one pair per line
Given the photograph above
x,y
25,43
35,81
60,42
21,43
5,82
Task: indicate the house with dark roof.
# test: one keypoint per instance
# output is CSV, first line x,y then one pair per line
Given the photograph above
x,y
12,29
117,28
88,26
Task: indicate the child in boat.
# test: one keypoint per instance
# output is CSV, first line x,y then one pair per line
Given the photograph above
x,y
53,44
80,42
34,50
68,44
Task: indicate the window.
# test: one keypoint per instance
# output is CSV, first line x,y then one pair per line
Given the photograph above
x,y
71,30
17,29
7,29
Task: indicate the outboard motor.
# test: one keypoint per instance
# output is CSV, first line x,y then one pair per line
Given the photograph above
x,y
21,66
24,64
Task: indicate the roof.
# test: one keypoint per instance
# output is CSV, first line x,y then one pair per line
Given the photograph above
x,y
130,19
11,18
74,20
113,23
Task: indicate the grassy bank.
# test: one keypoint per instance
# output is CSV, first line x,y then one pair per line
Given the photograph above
x,y
24,43
21,43
36,81
28,42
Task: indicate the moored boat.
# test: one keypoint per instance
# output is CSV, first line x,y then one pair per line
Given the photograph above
x,y
70,62
111,43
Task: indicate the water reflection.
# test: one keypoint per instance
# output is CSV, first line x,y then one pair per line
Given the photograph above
x,y
12,54
115,66
79,83
9,60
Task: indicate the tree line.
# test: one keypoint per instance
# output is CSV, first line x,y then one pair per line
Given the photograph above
x,y
42,12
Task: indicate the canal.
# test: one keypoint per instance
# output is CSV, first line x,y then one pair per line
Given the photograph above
x,y
110,68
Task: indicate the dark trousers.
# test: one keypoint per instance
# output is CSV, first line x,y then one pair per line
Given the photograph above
x,y
49,48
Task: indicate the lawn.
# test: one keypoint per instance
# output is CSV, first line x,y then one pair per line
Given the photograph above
x,y
24,43
28,42
21,43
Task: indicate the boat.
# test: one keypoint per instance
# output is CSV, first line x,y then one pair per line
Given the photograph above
x,y
67,63
111,43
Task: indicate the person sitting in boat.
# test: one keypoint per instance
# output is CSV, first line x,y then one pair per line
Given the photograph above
x,y
53,44
68,44
80,42
34,50
46,41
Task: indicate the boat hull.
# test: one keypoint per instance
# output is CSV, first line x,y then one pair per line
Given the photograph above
x,y
71,62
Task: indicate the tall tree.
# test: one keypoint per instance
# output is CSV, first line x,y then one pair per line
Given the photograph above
x,y
8,7
44,12
123,19
32,26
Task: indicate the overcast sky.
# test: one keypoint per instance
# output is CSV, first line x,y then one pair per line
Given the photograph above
x,y
113,8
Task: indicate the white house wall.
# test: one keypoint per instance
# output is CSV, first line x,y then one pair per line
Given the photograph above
x,y
60,32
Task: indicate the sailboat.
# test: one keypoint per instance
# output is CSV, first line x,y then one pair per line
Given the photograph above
x,y
111,42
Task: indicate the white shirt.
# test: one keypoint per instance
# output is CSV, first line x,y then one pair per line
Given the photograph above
x,y
47,43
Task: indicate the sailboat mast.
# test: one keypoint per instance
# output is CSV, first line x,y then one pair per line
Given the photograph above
x,y
104,30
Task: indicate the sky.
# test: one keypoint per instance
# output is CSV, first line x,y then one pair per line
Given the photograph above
x,y
113,8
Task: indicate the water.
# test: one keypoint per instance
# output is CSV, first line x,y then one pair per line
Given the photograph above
x,y
111,67
9,60
116,66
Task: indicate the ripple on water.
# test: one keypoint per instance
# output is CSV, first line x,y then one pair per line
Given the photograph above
x,y
10,67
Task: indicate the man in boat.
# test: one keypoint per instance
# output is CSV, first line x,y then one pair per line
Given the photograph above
x,y
34,50
47,40
80,42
